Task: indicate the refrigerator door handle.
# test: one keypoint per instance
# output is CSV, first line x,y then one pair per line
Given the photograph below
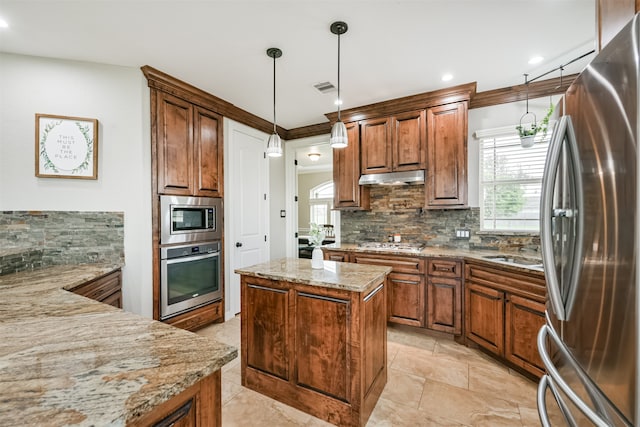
x,y
547,383
546,215
556,378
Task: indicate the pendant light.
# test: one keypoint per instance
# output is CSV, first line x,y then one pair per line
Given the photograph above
x,y
274,145
339,130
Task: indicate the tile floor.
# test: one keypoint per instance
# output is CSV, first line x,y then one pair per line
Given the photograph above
x,y
431,382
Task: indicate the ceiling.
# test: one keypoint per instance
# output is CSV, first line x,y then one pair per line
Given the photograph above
x,y
393,48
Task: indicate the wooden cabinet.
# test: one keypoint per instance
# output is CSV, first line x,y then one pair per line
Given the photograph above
x,y
106,289
198,318
504,312
348,194
446,180
321,350
395,143
198,406
189,148
444,295
405,298
332,255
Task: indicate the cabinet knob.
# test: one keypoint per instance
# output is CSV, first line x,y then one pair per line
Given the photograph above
x,y
238,244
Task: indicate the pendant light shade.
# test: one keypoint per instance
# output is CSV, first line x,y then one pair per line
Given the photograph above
x,y
339,131
274,144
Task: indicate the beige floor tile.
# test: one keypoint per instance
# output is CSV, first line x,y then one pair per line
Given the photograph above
x,y
392,350
443,369
249,408
232,375
388,413
515,388
230,390
468,407
452,349
529,417
401,335
403,388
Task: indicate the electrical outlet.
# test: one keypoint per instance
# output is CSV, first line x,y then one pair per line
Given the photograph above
x,y
463,233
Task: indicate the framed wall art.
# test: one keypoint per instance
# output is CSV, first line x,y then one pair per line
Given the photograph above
x,y
66,147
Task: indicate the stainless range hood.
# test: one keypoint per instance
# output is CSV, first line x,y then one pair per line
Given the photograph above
x,y
393,178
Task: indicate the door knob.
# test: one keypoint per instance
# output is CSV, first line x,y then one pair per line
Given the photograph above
x,y
238,244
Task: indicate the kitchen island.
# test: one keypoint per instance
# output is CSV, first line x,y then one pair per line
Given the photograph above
x,y
68,360
316,339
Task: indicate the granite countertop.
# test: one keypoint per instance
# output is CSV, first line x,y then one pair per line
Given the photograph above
x,y
532,264
69,360
334,275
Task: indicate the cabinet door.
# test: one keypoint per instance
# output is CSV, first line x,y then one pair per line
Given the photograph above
x,y
374,338
207,159
175,145
485,317
346,173
406,299
335,255
444,305
409,141
375,146
523,320
322,344
267,329
446,182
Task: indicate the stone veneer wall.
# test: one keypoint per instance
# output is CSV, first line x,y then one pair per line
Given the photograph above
x,y
398,209
35,239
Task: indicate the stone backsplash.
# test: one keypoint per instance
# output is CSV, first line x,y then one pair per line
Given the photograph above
x,y
398,209
35,239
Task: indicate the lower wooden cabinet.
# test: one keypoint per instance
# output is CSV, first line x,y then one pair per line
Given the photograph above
x,y
504,311
106,289
198,317
331,255
406,299
444,295
198,406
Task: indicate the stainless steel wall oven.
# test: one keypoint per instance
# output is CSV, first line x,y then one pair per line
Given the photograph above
x,y
190,276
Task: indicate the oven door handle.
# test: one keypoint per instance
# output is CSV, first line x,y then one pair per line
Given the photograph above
x,y
192,258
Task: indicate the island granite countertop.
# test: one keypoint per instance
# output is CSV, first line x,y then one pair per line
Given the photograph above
x,y
334,275
69,360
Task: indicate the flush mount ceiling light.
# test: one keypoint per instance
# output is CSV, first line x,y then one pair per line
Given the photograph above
x,y
339,137
536,60
314,157
274,145
447,77
3,23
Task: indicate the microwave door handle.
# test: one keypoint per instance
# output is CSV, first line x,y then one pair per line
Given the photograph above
x,y
552,371
547,383
192,258
547,214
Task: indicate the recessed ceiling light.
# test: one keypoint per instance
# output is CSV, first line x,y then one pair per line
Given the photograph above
x,y
314,156
3,23
447,77
536,60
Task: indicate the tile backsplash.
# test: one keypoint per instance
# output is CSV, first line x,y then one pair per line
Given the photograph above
x,y
398,209
34,239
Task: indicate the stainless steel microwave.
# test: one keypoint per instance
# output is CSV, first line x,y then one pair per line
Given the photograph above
x,y
190,219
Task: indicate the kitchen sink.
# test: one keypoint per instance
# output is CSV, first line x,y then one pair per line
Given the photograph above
x,y
516,260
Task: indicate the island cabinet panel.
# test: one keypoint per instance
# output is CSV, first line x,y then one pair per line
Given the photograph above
x,y
375,338
322,343
348,194
267,329
375,145
446,181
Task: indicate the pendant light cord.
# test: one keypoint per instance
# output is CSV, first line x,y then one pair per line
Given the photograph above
x,y
527,86
339,99
274,94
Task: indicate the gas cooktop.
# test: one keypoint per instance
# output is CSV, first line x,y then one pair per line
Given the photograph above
x,y
393,246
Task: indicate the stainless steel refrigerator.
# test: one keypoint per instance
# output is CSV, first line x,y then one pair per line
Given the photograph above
x,y
590,236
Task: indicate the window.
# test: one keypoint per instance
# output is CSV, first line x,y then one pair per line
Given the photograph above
x,y
510,181
320,203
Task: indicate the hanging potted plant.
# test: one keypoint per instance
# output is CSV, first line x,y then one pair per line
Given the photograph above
x,y
528,133
316,237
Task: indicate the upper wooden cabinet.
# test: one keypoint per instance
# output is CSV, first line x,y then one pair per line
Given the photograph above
x,y
394,143
446,180
189,148
346,173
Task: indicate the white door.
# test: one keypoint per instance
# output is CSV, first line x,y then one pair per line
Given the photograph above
x,y
246,206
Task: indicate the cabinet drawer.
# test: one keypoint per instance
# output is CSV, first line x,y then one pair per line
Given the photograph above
x,y
444,268
400,264
102,287
526,285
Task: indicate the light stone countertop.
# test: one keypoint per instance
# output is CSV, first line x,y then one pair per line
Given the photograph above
x,y
334,275
69,360
437,252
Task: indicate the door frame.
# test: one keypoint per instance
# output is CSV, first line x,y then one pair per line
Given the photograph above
x,y
291,191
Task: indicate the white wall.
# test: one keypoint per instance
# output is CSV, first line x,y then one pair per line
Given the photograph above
x,y
277,226
119,98
497,116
